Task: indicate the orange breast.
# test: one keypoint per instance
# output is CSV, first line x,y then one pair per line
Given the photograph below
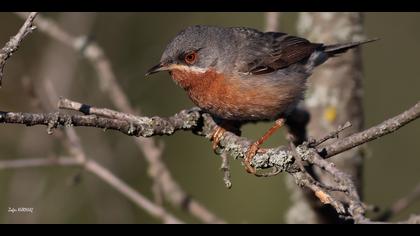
x,y
235,98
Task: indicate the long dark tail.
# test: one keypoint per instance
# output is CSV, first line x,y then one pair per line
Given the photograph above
x,y
324,52
335,49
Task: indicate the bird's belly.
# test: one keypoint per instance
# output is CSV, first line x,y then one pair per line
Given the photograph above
x,y
234,98
247,103
242,112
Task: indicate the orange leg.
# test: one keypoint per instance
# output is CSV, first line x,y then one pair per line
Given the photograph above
x,y
255,146
232,126
217,135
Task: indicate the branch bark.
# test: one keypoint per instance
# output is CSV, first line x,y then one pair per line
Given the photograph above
x,y
203,124
13,44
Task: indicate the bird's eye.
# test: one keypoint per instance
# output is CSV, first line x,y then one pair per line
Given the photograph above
x,y
190,58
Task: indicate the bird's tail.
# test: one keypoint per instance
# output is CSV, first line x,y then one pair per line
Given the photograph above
x,y
321,55
335,49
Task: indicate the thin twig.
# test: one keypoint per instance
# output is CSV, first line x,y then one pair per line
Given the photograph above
x,y
101,172
299,162
386,127
401,204
226,170
331,135
13,44
67,104
356,208
38,162
133,195
340,177
297,157
304,180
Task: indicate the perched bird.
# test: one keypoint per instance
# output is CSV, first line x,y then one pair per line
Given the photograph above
x,y
240,74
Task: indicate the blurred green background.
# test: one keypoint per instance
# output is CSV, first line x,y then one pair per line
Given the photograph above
x,y
134,42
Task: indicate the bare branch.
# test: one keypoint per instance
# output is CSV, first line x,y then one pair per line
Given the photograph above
x,y
331,135
133,195
13,44
38,162
386,127
67,104
191,120
304,180
225,167
102,173
401,204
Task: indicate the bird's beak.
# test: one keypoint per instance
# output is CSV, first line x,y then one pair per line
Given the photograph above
x,y
157,68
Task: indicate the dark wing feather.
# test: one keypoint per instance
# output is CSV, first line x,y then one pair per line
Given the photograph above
x,y
272,51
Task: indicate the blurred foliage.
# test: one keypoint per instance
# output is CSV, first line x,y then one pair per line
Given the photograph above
x,y
134,42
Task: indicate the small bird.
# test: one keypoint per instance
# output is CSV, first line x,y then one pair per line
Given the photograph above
x,y
240,74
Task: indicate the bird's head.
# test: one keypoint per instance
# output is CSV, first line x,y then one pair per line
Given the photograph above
x,y
195,49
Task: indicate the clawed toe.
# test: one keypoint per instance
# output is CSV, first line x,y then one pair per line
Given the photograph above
x,y
253,149
217,135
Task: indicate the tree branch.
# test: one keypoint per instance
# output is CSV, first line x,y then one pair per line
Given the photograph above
x,y
401,204
203,124
107,176
101,172
38,162
13,44
386,127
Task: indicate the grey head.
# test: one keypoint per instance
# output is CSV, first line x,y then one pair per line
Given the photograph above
x,y
199,47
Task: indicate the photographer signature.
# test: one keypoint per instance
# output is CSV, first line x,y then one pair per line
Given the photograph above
x,y
20,209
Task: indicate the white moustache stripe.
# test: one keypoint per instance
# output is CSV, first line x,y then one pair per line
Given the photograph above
x,y
187,68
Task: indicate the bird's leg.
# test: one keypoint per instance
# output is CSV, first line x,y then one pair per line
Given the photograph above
x,y
222,127
216,136
256,145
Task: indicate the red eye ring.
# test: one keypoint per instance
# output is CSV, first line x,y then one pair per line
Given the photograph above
x,y
190,58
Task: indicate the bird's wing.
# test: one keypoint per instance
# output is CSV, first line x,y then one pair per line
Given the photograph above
x,y
271,51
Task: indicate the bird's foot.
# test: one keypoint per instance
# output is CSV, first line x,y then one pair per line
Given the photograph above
x,y
255,147
216,137
252,150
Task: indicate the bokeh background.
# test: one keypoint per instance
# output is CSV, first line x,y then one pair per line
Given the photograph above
x,y
134,42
